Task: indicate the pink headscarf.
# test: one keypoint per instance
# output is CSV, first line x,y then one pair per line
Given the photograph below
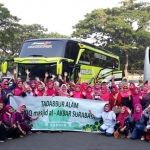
x,y
89,93
135,97
144,92
50,91
3,85
97,89
125,93
105,95
122,116
137,115
63,93
82,86
116,89
40,92
19,108
132,89
18,90
33,88
6,116
77,94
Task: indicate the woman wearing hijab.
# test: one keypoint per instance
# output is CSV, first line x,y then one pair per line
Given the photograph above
x,y
138,119
56,88
1,99
27,90
63,90
114,97
109,118
131,87
104,95
89,92
123,123
50,89
39,90
84,88
126,97
2,127
22,116
18,91
9,120
7,91
33,86
146,114
146,90
77,91
97,90
136,96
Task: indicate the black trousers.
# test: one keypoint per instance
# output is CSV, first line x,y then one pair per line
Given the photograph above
x,y
13,132
2,133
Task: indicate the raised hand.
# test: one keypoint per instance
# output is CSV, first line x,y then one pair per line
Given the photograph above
x,y
90,111
129,111
60,77
65,74
99,76
15,71
46,74
113,76
36,92
53,76
27,72
79,74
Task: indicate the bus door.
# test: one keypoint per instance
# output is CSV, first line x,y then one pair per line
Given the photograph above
x,y
76,71
72,70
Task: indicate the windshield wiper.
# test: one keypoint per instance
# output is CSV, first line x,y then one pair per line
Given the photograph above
x,y
36,56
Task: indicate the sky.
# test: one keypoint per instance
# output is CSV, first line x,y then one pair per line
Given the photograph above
x,y
55,15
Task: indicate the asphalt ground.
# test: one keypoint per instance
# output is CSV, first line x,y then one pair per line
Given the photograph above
x,y
72,141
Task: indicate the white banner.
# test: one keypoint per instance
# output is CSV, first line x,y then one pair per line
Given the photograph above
x,y
61,113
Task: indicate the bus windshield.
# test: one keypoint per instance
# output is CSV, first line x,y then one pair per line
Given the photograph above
x,y
44,48
36,70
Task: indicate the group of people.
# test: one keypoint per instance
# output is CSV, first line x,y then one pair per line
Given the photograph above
x,y
127,113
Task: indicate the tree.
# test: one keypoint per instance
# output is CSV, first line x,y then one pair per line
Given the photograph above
x,y
119,29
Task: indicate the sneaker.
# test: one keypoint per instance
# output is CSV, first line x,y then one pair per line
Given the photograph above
x,y
2,141
142,138
129,135
21,136
9,138
39,132
29,132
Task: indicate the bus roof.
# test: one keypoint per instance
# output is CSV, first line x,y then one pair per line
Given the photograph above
x,y
69,39
52,39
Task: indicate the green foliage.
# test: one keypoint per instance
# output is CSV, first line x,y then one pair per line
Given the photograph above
x,y
12,34
119,29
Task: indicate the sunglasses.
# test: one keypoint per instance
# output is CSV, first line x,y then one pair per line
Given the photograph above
x,y
125,88
6,84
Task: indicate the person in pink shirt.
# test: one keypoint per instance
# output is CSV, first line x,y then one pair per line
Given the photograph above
x,y
77,91
89,92
18,91
136,96
104,95
50,91
63,90
39,90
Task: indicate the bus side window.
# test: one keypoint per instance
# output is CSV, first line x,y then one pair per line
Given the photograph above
x,y
72,50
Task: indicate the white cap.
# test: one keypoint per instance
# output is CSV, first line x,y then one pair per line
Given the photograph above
x,y
105,80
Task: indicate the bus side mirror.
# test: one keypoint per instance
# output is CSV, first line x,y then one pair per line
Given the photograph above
x,y
4,67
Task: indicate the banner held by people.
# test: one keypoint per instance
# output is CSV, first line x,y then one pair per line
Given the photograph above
x,y
61,113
